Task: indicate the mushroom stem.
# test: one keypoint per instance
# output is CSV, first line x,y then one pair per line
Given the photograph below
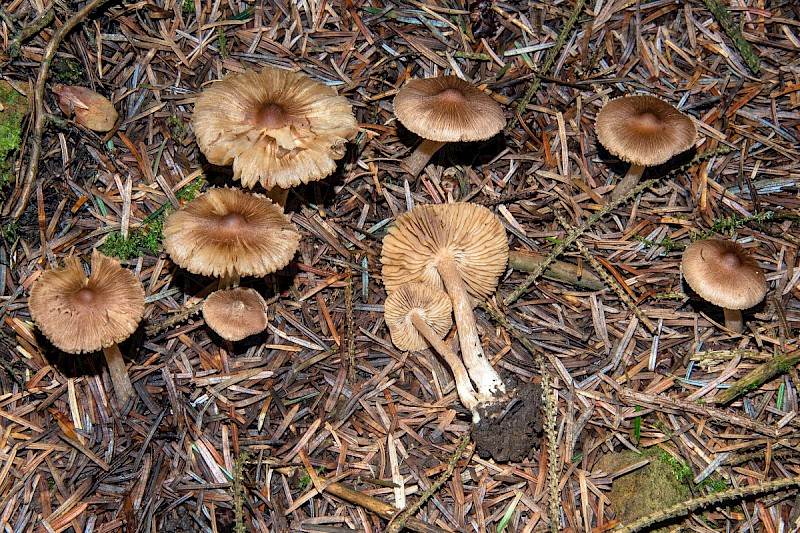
x,y
734,320
627,183
123,388
229,280
278,195
488,381
420,157
466,392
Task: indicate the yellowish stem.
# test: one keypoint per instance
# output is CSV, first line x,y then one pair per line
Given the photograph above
x,y
420,157
123,388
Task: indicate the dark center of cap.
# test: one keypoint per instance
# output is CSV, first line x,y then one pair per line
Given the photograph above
x,y
647,123
84,296
730,261
452,96
271,117
232,222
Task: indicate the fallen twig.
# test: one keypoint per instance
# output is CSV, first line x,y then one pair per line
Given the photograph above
x,y
527,261
723,16
759,375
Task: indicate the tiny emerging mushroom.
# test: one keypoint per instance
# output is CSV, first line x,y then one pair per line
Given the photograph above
x,y
442,110
644,131
235,313
724,274
79,314
276,127
419,315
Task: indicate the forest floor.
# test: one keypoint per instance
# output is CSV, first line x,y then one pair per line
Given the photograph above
x,y
268,434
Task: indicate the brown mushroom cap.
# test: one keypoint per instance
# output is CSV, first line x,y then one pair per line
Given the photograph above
x,y
235,313
277,127
644,130
448,109
80,314
433,306
228,231
469,233
724,274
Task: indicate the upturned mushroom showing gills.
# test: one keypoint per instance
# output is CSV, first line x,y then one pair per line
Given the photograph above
x,y
644,131
229,233
276,127
462,247
419,315
442,110
724,274
79,314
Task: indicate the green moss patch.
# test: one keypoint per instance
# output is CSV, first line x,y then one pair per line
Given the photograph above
x,y
13,108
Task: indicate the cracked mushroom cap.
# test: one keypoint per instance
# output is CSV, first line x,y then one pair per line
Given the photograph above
x,y
644,130
469,233
433,306
228,231
724,274
277,127
235,313
79,314
448,109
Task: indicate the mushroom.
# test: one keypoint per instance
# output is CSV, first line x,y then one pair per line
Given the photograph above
x,y
724,274
79,314
235,313
462,247
419,315
644,131
230,233
277,127
445,109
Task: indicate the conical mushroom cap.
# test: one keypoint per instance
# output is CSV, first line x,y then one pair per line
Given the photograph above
x,y
277,127
448,109
644,130
469,233
724,274
433,306
228,231
80,314
235,313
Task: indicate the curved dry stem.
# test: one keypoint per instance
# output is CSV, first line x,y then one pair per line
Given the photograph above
x,y
466,392
123,388
487,380
734,320
627,183
420,157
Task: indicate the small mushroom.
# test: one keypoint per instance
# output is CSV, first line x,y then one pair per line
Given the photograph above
x,y
462,247
445,109
79,314
235,313
724,274
276,127
230,233
419,315
644,131
91,110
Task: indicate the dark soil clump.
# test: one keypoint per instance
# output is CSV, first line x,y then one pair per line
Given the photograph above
x,y
509,431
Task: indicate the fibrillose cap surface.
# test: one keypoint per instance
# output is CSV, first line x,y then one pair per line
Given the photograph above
x,y
433,306
277,127
448,109
79,314
724,274
227,231
644,130
235,313
469,233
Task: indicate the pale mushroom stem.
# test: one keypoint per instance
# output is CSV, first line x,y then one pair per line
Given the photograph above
x,y
420,157
734,320
123,388
229,280
627,183
278,195
488,381
463,385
